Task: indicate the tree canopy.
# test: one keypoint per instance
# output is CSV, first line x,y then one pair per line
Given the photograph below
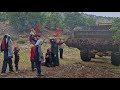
x,y
23,21
116,29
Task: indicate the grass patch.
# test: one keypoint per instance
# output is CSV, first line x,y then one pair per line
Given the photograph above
x,y
14,38
21,41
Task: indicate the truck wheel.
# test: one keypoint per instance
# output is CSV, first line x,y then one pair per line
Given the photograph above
x,y
92,55
85,56
115,58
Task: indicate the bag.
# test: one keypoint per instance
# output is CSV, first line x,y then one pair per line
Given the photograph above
x,y
3,46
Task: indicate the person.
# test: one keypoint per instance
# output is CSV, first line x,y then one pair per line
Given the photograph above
x,y
54,48
6,46
32,57
47,58
16,54
38,55
60,46
10,54
32,37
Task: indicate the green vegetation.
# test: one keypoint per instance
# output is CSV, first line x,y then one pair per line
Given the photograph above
x,y
21,41
116,29
14,38
23,21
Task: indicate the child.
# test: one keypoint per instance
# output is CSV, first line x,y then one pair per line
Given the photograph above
x,y
16,54
32,57
47,58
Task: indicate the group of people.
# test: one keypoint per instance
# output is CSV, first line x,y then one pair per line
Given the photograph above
x,y
52,58
36,54
7,48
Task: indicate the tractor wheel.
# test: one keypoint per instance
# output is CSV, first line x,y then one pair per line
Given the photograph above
x,y
115,58
85,56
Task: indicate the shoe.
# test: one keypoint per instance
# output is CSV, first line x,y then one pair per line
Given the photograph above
x,y
3,74
11,71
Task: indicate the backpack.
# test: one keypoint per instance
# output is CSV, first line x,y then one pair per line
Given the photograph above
x,y
2,45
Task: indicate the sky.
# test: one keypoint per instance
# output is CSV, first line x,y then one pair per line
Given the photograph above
x,y
107,14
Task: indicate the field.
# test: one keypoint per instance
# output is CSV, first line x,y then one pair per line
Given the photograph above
x,y
70,67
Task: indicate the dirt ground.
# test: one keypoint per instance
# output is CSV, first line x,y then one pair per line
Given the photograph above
x,y
71,66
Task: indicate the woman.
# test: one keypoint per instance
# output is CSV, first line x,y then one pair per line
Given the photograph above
x,y
54,48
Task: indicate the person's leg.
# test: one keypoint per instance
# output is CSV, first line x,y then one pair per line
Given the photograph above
x,y
32,65
51,60
16,64
54,60
61,53
16,67
4,66
10,65
57,59
38,65
5,61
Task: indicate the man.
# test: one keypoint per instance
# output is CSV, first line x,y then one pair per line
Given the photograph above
x,y
38,56
60,45
6,46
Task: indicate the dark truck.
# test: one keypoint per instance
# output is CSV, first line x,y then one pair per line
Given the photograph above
x,y
95,40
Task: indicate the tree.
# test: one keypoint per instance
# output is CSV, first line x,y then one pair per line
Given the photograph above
x,y
116,29
3,16
18,20
23,21
76,19
54,20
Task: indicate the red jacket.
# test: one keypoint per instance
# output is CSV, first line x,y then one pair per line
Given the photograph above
x,y
32,54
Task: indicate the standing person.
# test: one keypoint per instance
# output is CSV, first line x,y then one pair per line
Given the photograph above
x,y
16,61
10,54
33,39
54,47
32,57
60,46
38,55
6,46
